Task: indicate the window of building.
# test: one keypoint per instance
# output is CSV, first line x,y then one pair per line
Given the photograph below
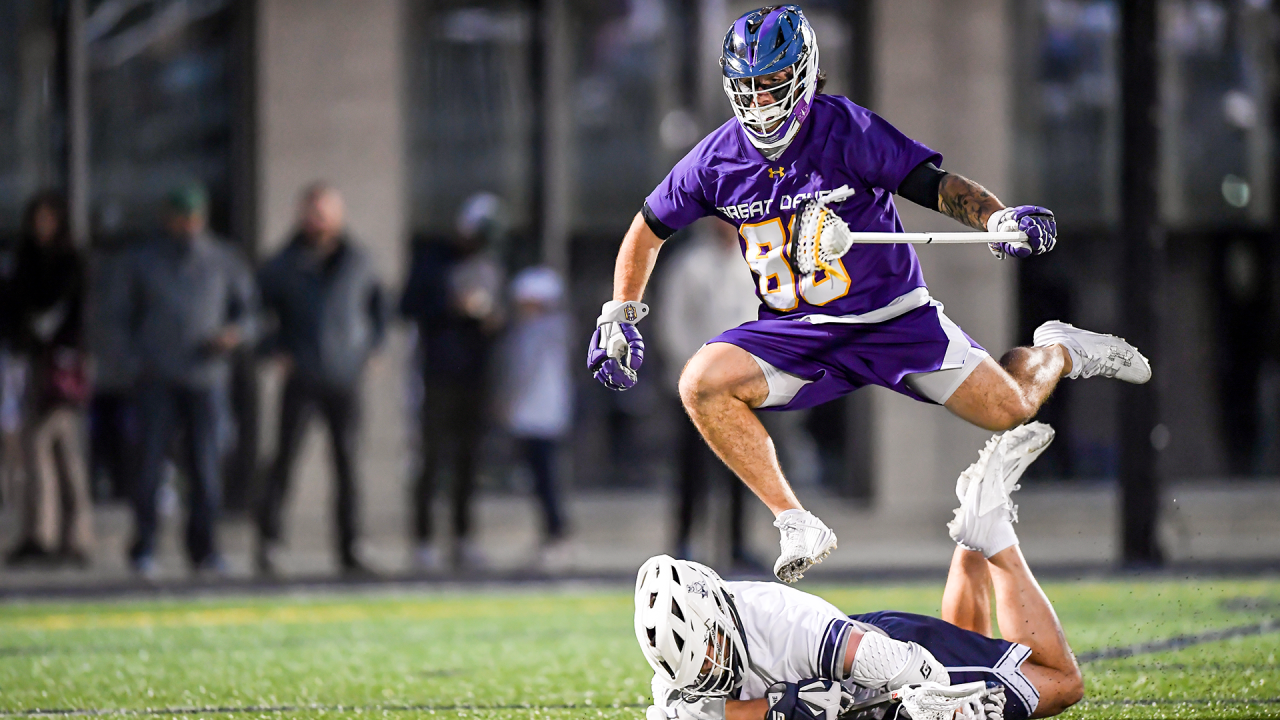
x,y
471,114
162,107
31,109
1218,67
1068,108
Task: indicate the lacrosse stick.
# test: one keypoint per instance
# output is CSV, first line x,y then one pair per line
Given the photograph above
x,y
938,238
931,701
822,237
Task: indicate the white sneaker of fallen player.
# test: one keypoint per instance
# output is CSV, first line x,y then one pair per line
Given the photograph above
x,y
984,520
805,542
1095,353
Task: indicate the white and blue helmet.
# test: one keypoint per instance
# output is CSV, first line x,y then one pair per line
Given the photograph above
x,y
688,628
761,43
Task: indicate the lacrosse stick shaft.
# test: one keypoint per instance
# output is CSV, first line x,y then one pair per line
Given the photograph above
x,y
939,238
869,704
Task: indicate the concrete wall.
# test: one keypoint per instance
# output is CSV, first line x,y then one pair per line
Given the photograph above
x,y
329,103
943,76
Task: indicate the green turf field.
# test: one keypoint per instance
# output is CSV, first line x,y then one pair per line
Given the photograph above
x,y
555,654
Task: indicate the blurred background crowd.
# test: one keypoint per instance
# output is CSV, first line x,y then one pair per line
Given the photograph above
x,y
221,220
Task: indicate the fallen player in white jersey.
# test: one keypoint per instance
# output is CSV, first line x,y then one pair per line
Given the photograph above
x,y
763,650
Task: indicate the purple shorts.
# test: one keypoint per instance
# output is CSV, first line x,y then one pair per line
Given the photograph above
x,y
921,354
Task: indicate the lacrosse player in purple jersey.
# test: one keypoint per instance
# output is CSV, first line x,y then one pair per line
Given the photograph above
x,y
796,171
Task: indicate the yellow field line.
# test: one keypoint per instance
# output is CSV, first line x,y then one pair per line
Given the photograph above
x,y
309,614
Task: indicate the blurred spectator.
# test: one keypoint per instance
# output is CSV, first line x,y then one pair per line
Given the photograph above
x,y
325,294
47,297
188,301
115,434
454,295
13,380
537,394
705,290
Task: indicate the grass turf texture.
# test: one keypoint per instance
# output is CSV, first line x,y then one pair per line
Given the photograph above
x,y
548,654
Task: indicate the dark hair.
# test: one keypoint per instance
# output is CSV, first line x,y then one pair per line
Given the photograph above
x,y
822,82
53,200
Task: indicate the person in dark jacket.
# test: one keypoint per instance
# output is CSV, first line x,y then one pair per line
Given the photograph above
x,y
329,305
454,296
48,301
188,301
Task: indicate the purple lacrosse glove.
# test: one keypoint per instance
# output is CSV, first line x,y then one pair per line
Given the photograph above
x,y
1038,224
616,351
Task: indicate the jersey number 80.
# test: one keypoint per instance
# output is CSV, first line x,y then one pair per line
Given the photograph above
x,y
777,285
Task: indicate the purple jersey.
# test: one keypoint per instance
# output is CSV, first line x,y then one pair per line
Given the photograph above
x,y
840,144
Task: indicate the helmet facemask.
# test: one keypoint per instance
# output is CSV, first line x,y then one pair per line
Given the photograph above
x,y
721,667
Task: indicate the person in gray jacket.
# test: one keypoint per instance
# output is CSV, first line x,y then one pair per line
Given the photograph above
x,y
331,315
188,300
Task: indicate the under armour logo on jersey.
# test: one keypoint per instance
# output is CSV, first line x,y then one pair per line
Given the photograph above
x,y
780,172
697,588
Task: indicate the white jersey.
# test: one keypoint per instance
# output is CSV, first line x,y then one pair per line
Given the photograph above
x,y
789,636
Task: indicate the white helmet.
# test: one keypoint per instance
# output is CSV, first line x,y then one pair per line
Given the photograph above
x,y
685,620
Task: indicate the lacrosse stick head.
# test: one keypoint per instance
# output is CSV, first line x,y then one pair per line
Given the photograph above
x,y
931,701
821,235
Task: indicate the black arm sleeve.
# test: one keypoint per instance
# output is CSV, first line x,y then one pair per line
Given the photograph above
x,y
657,226
920,186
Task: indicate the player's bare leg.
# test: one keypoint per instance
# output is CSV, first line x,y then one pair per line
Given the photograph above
x,y
966,601
983,528
1003,396
1026,616
720,387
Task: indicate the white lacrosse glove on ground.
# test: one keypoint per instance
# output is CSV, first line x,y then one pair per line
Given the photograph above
x,y
821,237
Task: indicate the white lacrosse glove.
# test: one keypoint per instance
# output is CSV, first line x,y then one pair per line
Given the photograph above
x,y
821,237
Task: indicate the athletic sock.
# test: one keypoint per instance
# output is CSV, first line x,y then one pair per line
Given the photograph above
x,y
1073,352
1000,537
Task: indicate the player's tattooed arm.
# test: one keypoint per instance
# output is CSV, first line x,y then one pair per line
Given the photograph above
x,y
966,201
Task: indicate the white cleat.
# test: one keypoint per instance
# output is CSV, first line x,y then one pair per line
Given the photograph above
x,y
984,520
805,542
1095,353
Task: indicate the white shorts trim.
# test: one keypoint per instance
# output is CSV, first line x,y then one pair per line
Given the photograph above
x,y
940,385
783,386
958,363
1009,671
900,305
